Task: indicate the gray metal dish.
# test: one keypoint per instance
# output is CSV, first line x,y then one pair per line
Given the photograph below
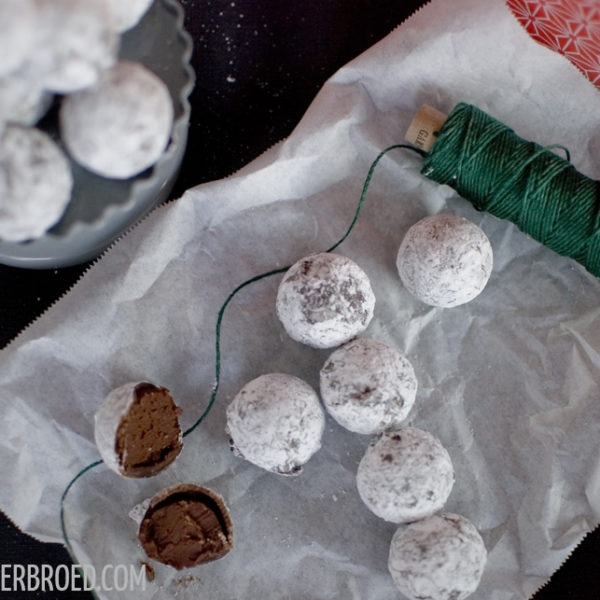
x,y
102,209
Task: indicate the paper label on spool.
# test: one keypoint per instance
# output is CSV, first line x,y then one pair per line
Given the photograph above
x,y
424,127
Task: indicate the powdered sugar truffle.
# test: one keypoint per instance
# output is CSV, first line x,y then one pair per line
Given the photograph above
x,y
325,300
21,101
120,126
75,41
405,475
445,260
368,386
35,183
17,33
441,557
128,14
276,422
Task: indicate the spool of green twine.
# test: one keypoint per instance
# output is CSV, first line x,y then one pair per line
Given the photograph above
x,y
511,178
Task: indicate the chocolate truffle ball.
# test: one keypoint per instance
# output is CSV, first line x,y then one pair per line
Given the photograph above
x,y
137,430
441,557
35,183
276,422
186,525
325,300
405,475
18,23
120,126
445,260
21,101
75,41
368,386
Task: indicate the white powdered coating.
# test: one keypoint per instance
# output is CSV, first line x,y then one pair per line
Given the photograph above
x,y
75,41
276,422
107,420
35,183
445,260
325,300
368,386
17,33
439,558
127,14
21,101
120,126
405,475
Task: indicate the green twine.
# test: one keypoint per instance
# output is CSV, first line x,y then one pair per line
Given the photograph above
x,y
501,173
220,315
63,527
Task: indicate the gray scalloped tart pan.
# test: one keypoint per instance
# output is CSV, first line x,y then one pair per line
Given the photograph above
x,y
102,209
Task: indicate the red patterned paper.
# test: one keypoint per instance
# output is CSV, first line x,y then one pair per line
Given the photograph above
x,y
570,27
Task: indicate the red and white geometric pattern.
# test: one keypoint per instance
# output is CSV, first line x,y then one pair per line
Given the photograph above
x,y
570,27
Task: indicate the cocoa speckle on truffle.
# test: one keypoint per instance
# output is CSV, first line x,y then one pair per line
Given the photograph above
x,y
325,300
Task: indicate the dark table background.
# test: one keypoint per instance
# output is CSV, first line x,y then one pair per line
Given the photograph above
x,y
258,64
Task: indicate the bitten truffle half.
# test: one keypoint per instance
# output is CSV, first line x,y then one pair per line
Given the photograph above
x,y
368,386
276,422
405,475
441,557
445,260
325,300
137,430
186,525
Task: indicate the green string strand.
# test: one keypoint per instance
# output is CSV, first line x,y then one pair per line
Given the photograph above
x,y
528,184
63,526
220,315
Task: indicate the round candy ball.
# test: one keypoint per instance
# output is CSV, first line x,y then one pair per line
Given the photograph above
x,y
35,183
325,300
368,386
445,260
18,24
75,41
21,101
405,475
441,557
276,422
121,125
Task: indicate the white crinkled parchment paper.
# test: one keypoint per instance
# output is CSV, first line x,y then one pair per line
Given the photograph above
x,y
508,382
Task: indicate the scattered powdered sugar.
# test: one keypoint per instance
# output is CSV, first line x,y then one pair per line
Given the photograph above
x,y
405,474
276,422
441,557
368,386
445,260
325,300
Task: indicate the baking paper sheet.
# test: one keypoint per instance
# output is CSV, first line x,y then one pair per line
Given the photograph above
x,y
508,382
